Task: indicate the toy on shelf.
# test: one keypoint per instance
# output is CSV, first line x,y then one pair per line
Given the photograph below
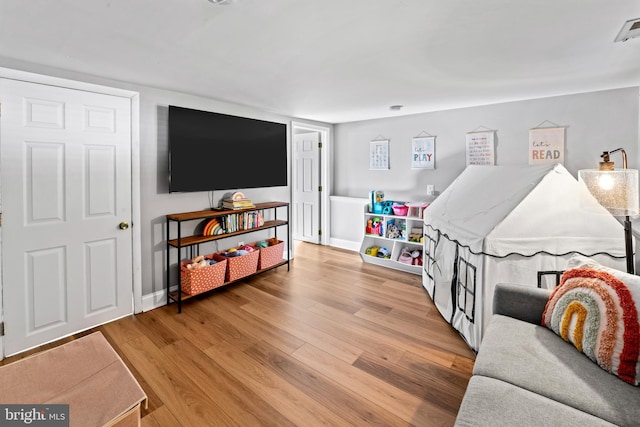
x,y
416,235
374,226
213,228
376,201
372,251
396,229
410,257
199,262
384,253
387,208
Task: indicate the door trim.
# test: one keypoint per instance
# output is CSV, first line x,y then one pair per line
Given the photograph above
x,y
325,173
136,236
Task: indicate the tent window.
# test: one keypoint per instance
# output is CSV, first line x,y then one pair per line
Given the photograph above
x,y
429,256
466,288
543,276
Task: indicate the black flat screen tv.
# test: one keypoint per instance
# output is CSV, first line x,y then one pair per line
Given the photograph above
x,y
212,151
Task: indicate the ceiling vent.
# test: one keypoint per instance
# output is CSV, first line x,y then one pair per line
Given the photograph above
x,y
630,30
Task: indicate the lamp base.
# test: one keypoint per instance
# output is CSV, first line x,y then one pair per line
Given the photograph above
x,y
628,243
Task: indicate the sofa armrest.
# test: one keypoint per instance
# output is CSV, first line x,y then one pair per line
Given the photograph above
x,y
520,302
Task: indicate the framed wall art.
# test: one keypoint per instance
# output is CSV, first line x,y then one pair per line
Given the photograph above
x,y
379,154
480,148
546,145
423,154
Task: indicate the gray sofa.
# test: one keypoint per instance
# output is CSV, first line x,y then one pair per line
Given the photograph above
x,y
526,375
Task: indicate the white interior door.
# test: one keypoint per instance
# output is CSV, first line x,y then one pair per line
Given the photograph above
x,y
306,188
65,161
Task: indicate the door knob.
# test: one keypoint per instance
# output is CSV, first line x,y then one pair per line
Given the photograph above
x,y
123,225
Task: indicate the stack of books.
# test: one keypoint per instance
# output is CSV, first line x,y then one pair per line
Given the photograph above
x,y
237,203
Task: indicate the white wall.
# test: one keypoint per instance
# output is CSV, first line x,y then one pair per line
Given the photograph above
x,y
595,122
347,226
156,201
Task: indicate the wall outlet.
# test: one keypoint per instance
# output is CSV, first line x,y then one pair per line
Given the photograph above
x,y
430,190
240,243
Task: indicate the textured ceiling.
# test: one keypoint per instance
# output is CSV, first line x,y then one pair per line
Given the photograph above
x,y
334,60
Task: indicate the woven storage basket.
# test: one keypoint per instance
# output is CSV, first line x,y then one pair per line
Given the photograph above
x,y
203,279
271,255
239,266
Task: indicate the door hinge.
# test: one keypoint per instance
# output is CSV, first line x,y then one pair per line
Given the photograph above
x,y
1,329
319,144
319,232
320,188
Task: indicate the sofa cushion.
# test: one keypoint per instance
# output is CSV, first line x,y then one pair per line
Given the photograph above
x,y
520,302
594,308
490,402
536,359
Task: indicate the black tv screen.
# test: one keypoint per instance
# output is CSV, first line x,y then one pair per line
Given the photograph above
x,y
212,151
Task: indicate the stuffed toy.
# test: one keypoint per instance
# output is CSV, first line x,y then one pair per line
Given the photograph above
x,y
199,262
384,253
393,232
416,257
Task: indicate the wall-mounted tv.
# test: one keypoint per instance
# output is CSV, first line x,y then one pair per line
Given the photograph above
x,y
212,151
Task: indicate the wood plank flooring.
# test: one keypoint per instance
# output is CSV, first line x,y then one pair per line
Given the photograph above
x,y
332,342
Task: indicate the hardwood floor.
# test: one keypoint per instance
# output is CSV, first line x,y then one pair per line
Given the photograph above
x,y
332,342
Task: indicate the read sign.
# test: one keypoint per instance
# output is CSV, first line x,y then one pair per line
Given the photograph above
x,y
546,145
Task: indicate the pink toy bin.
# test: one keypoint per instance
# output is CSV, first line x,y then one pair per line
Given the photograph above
x,y
400,210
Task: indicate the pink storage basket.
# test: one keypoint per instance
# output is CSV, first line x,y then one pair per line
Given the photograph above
x,y
239,266
198,280
400,210
416,209
271,255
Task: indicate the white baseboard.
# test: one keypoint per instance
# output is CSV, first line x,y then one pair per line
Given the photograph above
x,y
155,300
159,298
345,244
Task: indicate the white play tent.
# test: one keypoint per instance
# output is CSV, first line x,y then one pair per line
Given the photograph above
x,y
506,224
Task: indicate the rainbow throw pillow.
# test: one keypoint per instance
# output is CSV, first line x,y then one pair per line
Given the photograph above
x,y
596,309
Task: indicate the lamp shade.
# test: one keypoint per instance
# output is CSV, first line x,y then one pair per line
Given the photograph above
x,y
616,190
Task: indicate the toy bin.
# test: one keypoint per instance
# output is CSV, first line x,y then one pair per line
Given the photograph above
x,y
416,209
239,266
271,255
198,280
400,210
